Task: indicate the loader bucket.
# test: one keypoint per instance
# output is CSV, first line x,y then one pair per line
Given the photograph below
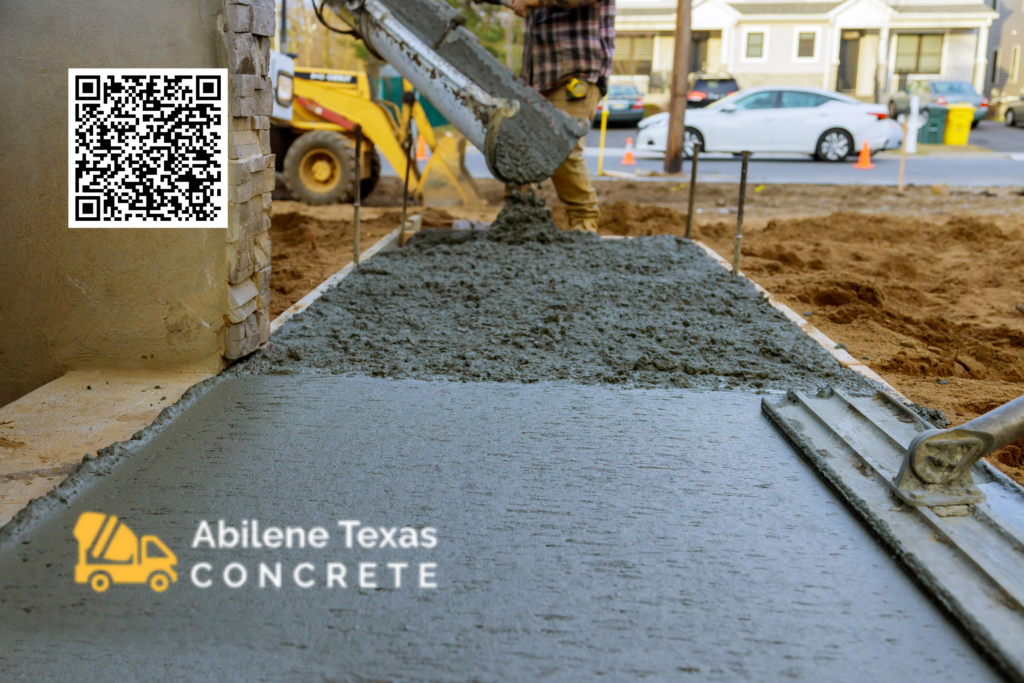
x,y
445,180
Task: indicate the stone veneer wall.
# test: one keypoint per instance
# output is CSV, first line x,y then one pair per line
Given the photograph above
x,y
248,27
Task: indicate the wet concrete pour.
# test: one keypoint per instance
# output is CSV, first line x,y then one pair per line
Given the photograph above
x,y
582,531
546,305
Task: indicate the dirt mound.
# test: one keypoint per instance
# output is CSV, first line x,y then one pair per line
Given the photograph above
x,y
847,227
626,218
973,232
838,292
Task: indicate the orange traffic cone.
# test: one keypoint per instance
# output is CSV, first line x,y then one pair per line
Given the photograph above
x,y
627,158
421,149
864,160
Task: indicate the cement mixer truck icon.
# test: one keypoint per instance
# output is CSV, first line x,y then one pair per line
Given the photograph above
x,y
110,552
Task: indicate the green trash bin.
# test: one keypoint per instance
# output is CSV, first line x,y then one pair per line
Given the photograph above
x,y
934,127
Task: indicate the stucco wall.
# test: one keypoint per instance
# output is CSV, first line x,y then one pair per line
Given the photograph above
x,y
72,299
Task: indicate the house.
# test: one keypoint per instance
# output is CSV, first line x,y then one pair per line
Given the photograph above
x,y
865,48
1006,38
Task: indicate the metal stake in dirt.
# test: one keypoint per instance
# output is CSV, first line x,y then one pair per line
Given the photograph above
x,y
693,190
358,195
739,216
405,191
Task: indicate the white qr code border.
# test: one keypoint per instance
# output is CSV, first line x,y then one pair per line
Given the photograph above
x,y
220,204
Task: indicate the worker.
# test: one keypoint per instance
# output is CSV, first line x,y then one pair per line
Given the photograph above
x,y
567,56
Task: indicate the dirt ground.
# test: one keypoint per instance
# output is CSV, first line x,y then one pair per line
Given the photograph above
x,y
923,285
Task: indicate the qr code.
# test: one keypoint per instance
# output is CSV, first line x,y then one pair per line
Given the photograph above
x,y
147,148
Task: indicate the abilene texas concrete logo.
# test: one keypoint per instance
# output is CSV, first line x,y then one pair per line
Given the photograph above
x,y
110,552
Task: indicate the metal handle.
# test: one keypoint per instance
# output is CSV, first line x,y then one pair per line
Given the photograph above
x,y
939,456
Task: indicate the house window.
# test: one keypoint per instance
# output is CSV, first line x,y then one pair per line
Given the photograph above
x,y
919,53
634,55
805,45
995,66
755,45
1014,63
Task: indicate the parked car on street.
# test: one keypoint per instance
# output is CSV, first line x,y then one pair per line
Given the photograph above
x,y
939,93
1014,114
625,104
825,124
708,90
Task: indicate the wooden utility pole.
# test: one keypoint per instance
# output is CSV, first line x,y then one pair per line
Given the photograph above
x,y
680,89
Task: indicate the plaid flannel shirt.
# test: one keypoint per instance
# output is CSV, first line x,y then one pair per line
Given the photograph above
x,y
569,39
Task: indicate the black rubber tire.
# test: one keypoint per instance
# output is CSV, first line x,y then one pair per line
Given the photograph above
x,y
822,154
366,185
974,124
338,146
1011,118
699,139
893,113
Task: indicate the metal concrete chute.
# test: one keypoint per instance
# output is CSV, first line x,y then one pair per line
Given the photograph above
x,y
524,138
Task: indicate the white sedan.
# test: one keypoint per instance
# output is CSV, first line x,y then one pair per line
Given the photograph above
x,y
793,120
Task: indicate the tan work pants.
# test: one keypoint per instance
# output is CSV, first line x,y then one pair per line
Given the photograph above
x,y
572,179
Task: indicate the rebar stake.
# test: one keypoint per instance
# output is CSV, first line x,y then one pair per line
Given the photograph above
x,y
405,190
693,189
358,196
739,216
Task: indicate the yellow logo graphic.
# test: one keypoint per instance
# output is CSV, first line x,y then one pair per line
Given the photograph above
x,y
110,552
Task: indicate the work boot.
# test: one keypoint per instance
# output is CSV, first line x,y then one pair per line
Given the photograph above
x,y
584,225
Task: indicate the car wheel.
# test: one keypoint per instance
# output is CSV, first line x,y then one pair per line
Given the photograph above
x,y
834,145
691,139
1011,118
892,110
974,123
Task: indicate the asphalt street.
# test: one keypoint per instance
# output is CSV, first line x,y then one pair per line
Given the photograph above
x,y
582,532
978,170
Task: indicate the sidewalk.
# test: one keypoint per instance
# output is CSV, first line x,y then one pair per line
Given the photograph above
x,y
582,532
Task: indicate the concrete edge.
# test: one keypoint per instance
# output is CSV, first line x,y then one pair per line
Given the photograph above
x,y
389,240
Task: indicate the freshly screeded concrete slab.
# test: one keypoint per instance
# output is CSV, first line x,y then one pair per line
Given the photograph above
x,y
583,531
45,434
